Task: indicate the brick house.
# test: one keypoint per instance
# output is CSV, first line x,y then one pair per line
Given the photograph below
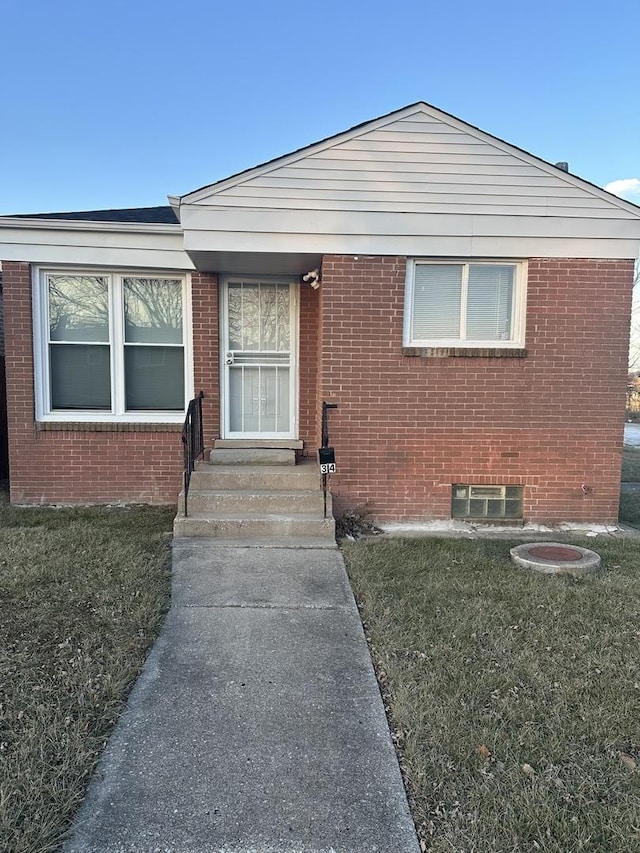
x,y
4,446
465,294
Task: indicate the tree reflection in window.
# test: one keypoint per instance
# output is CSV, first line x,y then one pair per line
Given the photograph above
x,y
153,310
153,353
259,317
78,308
79,350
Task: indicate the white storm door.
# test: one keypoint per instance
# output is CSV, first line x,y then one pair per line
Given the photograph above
x,y
259,349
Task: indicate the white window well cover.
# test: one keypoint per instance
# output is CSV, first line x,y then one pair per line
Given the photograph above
x,y
464,303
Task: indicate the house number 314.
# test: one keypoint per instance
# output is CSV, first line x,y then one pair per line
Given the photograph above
x,y
327,460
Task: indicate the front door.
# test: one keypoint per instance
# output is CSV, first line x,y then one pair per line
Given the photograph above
x,y
259,349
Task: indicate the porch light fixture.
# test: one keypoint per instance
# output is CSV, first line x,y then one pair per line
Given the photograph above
x,y
313,278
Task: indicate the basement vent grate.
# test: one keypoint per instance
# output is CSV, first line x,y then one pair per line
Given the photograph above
x,y
490,502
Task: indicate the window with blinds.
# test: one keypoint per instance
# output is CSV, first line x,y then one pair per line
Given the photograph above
x,y
464,304
110,346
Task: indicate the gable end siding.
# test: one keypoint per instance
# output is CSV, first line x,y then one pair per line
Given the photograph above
x,y
416,182
420,164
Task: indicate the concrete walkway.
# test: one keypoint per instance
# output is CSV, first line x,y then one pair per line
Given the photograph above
x,y
632,435
256,725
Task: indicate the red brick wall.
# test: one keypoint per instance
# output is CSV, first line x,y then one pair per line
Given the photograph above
x,y
102,463
409,427
308,371
89,464
206,350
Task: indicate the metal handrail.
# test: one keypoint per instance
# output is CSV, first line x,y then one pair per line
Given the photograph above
x,y
325,443
325,422
192,440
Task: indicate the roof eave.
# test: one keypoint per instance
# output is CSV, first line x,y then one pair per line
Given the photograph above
x,y
89,225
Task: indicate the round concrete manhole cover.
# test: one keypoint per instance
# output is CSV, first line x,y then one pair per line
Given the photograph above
x,y
555,553
555,558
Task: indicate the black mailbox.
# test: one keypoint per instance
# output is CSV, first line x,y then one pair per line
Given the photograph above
x,y
327,458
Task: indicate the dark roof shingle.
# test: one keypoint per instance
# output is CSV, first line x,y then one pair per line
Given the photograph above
x,y
154,215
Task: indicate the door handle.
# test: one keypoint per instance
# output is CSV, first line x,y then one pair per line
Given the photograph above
x,y
229,358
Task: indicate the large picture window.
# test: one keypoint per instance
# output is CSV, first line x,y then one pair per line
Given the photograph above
x,y
473,304
110,346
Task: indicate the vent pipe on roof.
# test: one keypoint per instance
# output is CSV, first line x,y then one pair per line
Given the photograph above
x,y
562,165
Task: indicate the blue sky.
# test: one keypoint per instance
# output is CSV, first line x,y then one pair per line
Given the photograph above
x,y
117,103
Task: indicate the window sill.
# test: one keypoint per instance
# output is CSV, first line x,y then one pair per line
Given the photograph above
x,y
464,352
105,426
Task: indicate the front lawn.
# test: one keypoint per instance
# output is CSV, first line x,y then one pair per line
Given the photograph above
x,y
629,512
630,464
515,697
82,595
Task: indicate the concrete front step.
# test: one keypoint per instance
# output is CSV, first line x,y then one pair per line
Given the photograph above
x,y
245,501
295,542
250,527
256,477
256,496
252,456
244,444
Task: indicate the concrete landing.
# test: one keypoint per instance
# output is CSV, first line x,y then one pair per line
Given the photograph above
x,y
252,456
257,724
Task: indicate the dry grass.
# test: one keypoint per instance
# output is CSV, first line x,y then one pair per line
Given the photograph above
x,y
629,512
631,464
515,697
82,594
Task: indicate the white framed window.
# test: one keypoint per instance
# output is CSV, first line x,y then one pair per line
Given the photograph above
x,y
111,346
465,303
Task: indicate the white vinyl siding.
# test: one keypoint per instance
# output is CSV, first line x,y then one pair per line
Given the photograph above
x,y
417,183
78,243
110,346
464,304
422,162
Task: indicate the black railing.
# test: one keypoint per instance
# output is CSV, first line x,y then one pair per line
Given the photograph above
x,y
192,440
325,443
325,422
